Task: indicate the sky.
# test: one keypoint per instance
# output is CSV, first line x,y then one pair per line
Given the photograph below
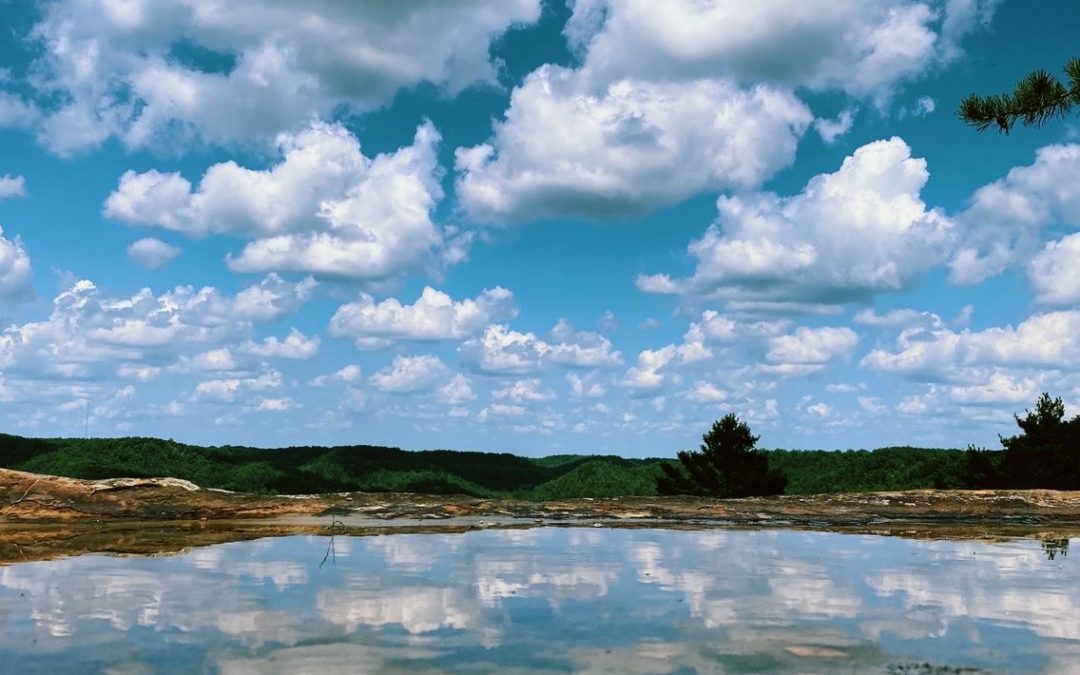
x,y
532,226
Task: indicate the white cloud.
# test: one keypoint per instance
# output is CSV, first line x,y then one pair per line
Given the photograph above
x,y
15,270
12,186
652,370
152,253
501,410
896,318
229,390
325,209
847,235
862,47
1003,222
844,388
1048,340
707,392
15,111
581,349
962,17
819,409
121,67
277,404
295,346
434,316
349,374
524,391
457,391
408,374
1054,272
813,345
565,149
872,405
830,130
999,387
585,386
499,350
213,360
89,332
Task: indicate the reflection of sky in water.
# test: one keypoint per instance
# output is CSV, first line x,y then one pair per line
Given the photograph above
x,y
549,600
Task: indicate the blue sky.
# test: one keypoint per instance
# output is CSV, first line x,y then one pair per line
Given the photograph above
x,y
538,227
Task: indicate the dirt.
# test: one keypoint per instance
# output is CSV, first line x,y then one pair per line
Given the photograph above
x,y
47,516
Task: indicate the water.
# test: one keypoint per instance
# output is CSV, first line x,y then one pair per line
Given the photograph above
x,y
550,601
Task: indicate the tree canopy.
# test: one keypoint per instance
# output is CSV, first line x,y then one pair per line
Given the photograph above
x,y
1037,99
1046,454
726,466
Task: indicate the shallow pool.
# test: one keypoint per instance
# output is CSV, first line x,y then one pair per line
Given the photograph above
x,y
552,600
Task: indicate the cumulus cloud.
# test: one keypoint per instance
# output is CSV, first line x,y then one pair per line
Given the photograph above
x,y
1003,222
567,149
434,316
653,370
277,404
15,270
12,186
896,318
848,235
229,390
89,333
152,253
409,374
524,391
830,130
864,48
230,71
325,208
295,346
813,346
502,351
1048,340
457,390
1054,272
349,374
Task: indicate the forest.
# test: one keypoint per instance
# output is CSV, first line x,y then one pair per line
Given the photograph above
x,y
1045,454
300,470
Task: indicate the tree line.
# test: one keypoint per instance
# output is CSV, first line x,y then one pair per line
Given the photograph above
x,y
1045,454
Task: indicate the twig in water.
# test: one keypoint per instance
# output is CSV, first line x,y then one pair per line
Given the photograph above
x,y
330,551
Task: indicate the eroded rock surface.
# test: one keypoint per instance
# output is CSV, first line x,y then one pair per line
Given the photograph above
x,y
45,516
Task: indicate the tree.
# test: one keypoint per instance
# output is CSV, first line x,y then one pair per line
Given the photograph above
x,y
1047,452
726,466
1037,99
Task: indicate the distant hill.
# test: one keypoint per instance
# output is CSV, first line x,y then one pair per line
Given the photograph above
x,y
370,468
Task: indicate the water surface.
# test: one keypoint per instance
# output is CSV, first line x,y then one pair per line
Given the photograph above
x,y
552,600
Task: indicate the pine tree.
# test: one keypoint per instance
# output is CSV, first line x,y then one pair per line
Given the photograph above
x,y
1037,99
726,466
1046,454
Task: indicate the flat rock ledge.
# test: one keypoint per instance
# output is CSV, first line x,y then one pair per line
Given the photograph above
x,y
32,498
46,517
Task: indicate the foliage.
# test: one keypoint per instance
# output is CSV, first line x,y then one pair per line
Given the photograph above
x,y
601,478
726,466
895,468
1047,452
1037,99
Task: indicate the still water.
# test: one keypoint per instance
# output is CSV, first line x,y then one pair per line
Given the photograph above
x,y
551,601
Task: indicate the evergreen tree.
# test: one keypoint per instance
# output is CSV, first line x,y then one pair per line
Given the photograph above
x,y
1037,98
726,466
1047,452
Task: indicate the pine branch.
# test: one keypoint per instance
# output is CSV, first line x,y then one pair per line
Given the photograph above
x,y
1037,99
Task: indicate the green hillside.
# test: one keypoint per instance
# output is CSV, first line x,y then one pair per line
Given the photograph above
x,y
298,470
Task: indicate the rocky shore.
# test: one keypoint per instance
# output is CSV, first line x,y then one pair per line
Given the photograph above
x,y
48,516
